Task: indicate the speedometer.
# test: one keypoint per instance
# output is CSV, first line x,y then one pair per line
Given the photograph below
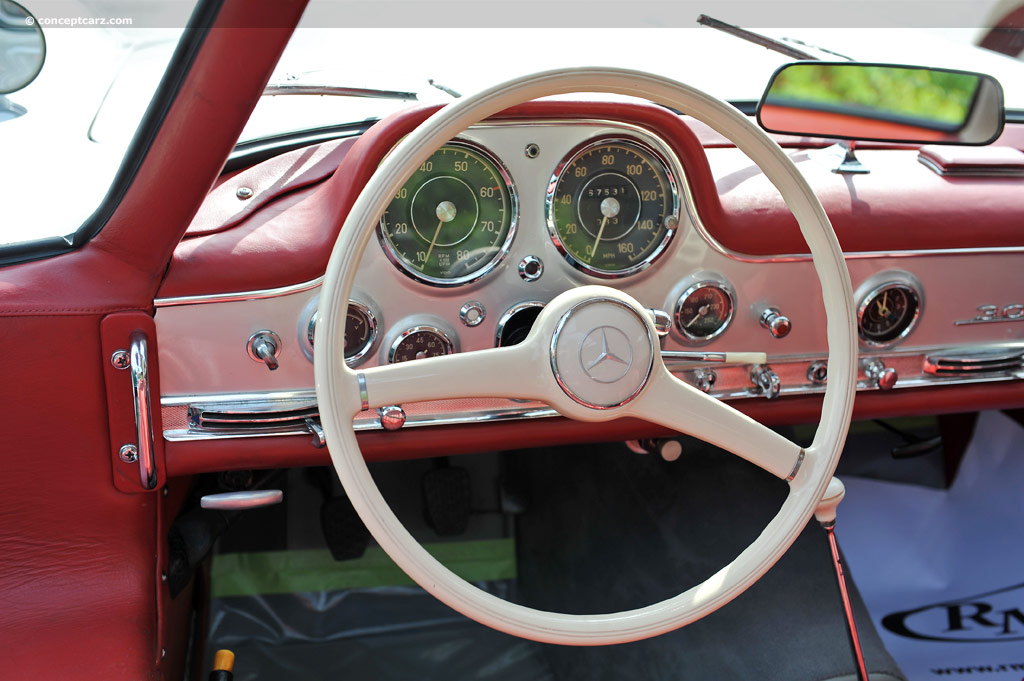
x,y
612,207
454,220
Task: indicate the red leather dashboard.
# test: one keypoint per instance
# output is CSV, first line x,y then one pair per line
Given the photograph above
x,y
284,233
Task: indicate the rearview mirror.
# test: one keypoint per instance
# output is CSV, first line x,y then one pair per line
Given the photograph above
x,y
882,102
22,47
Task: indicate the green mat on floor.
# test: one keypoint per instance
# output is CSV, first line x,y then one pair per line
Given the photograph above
x,y
270,572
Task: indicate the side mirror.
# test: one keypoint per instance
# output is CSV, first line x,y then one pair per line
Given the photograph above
x,y
22,47
882,102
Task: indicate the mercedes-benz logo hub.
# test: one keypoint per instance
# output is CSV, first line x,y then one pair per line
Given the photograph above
x,y
604,360
602,353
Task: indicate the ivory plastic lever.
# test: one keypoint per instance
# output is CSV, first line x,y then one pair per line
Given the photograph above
x,y
239,501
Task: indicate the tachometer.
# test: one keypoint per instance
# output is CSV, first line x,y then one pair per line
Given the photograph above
x,y
612,207
454,219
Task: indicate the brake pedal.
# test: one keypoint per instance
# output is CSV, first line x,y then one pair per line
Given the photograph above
x,y
346,536
446,500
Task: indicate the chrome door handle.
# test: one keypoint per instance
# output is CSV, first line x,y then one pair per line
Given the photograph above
x,y
139,366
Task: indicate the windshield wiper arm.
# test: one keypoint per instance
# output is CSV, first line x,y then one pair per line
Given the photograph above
x,y
336,91
756,38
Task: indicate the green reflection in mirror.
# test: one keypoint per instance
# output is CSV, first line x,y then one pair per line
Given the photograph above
x,y
930,98
883,102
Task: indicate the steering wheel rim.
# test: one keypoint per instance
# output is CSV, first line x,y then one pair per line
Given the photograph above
x,y
342,392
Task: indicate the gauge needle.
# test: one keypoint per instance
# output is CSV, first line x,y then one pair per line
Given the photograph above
x,y
701,311
445,213
600,232
609,208
883,304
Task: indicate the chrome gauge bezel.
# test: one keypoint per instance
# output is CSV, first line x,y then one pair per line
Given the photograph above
x,y
307,331
703,282
506,246
510,313
371,322
443,335
648,144
878,284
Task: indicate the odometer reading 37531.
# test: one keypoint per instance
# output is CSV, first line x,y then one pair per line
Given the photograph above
x,y
612,207
454,219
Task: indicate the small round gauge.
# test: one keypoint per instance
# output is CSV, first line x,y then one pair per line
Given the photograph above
x,y
454,220
888,313
420,342
612,207
704,310
360,332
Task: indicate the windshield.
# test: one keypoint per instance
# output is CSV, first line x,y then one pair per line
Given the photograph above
x,y
64,135
465,60
78,117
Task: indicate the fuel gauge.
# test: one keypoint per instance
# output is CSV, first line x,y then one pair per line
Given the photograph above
x,y
704,310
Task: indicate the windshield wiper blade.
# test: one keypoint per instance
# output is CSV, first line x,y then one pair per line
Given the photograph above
x,y
336,91
756,38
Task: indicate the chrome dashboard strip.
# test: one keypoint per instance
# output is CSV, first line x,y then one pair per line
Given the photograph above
x,y
242,295
364,425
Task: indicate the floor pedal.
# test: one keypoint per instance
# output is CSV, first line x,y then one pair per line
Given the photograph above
x,y
346,536
446,500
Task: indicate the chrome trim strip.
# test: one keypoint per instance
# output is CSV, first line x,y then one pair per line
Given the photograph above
x,y
373,424
242,295
364,395
143,410
796,466
240,398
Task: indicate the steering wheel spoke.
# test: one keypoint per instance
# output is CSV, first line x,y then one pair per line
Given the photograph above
x,y
497,372
670,402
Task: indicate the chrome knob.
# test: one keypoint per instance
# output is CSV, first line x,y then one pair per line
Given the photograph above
x,y
392,417
884,378
817,373
766,381
778,325
265,346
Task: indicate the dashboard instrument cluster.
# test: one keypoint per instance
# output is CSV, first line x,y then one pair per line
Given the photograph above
x,y
510,214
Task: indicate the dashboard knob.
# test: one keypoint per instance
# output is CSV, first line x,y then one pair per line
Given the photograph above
x,y
705,379
392,417
766,381
265,346
777,324
884,378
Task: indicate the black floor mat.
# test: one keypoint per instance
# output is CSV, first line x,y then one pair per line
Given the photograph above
x,y
607,530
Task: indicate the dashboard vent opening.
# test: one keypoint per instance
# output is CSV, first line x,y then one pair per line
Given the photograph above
x,y
974,362
256,417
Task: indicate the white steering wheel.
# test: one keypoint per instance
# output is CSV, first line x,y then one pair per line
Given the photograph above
x,y
550,366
